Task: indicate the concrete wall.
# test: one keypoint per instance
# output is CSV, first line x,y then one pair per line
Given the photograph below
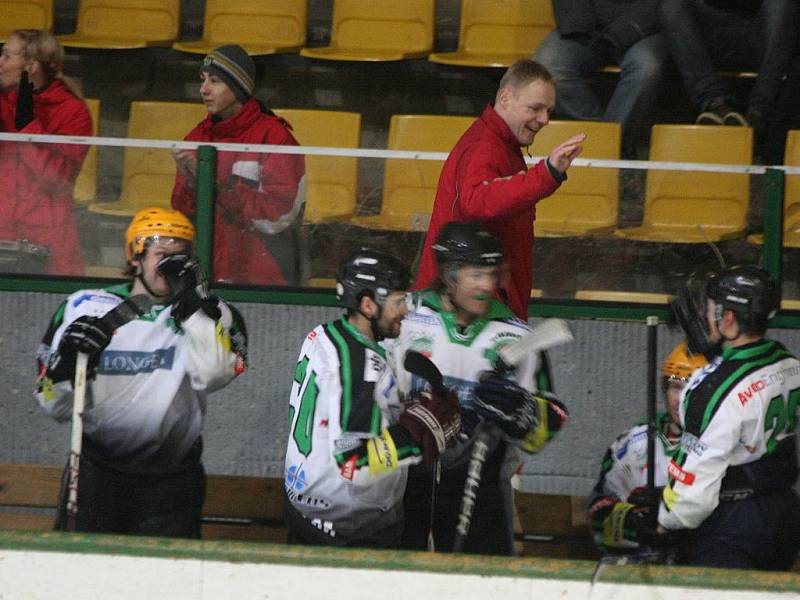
x,y
600,376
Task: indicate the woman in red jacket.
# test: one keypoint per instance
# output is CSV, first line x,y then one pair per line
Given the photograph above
x,y
36,180
260,197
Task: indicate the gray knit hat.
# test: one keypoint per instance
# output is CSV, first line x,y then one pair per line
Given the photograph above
x,y
233,65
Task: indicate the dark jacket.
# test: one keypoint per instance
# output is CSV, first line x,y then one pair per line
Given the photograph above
x,y
621,22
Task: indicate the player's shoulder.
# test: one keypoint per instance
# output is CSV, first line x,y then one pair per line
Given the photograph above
x,y
630,441
94,302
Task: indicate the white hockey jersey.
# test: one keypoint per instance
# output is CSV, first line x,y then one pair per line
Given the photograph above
x,y
146,404
343,396
741,410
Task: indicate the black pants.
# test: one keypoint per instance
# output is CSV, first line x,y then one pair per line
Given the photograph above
x,y
492,528
762,532
110,501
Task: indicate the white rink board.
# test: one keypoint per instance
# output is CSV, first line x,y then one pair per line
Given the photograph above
x,y
36,575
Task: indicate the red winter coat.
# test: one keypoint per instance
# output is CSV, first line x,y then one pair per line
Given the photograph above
x,y
485,179
267,199
36,180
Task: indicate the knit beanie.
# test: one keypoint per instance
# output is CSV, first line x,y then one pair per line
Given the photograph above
x,y
233,65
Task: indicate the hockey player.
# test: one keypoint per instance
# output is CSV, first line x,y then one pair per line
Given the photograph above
x,y
351,438
460,325
731,480
622,508
140,468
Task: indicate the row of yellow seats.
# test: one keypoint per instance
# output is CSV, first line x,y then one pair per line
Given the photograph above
x,y
679,206
491,33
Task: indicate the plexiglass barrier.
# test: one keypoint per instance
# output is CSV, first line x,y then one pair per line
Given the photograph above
x,y
285,217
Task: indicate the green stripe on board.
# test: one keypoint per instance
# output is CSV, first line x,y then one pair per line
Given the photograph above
x,y
576,570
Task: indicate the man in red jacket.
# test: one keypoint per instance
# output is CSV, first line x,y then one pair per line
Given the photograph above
x,y
485,178
260,196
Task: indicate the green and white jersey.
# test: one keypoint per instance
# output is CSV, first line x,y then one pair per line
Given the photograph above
x,y
344,399
740,409
460,353
146,404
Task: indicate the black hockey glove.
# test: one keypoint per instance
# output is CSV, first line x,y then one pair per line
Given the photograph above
x,y
557,413
85,334
629,526
24,114
189,287
433,421
506,404
647,497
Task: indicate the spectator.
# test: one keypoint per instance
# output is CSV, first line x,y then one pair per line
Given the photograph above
x,y
485,178
593,33
731,481
351,439
752,35
140,467
36,180
260,197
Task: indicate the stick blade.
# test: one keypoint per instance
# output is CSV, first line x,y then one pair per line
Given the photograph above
x,y
420,365
547,334
128,310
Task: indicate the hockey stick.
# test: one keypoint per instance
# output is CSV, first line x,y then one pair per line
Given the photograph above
x,y
547,334
420,365
126,311
652,376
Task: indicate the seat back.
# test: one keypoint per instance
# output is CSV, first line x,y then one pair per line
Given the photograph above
x,y
370,25
331,181
148,174
277,22
791,203
25,14
694,200
588,202
508,27
129,19
409,186
86,183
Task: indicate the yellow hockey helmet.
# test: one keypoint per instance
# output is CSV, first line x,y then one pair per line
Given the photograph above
x,y
155,222
680,364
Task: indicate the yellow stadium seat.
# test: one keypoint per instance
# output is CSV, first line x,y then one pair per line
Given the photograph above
x,y
695,206
25,14
258,26
620,296
148,174
125,24
791,196
588,202
86,184
331,181
496,34
409,186
365,30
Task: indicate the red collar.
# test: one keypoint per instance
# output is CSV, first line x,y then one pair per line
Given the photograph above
x,y
234,125
500,128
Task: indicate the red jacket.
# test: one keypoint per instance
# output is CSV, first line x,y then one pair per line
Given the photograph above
x,y
36,180
257,193
485,179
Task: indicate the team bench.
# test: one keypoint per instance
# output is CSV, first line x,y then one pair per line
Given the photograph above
x,y
251,509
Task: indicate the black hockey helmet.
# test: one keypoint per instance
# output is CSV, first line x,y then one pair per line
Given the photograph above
x,y
466,244
747,290
370,272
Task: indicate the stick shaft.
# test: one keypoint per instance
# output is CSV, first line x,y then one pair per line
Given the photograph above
x,y
78,405
652,378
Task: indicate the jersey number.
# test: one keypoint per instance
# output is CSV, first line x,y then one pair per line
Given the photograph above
x,y
304,426
781,417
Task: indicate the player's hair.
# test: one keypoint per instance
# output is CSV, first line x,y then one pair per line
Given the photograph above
x,y
42,46
523,72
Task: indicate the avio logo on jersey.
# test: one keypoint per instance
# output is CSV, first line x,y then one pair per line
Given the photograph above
x,y
679,474
756,386
128,362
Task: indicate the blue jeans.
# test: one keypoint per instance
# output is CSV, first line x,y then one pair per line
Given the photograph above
x,y
703,39
642,69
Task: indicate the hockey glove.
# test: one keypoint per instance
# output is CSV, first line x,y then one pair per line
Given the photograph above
x,y
433,421
189,287
629,526
647,497
506,404
85,334
24,114
553,416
